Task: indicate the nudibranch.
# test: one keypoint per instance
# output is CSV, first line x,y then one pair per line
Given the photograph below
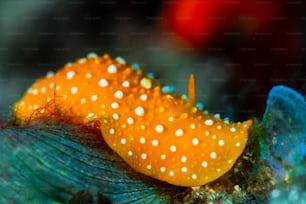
x,y
156,131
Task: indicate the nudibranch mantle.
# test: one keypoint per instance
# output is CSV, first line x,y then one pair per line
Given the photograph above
x,y
158,134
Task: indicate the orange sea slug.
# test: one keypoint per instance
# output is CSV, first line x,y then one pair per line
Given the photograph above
x,y
156,132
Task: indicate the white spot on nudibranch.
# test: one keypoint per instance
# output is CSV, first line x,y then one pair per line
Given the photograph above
x,y
94,97
143,155
88,75
213,155
233,129
142,140
92,55
183,159
74,90
123,141
115,116
159,128
118,94
146,83
221,142
121,60
115,105
172,148
194,176
130,153
184,169
43,89
68,64
162,169
195,141
103,83
217,115
112,131
139,111
209,122
49,74
89,115
204,164
179,132
130,120
143,97
155,143
126,84
70,75
111,69
192,126
82,60
35,91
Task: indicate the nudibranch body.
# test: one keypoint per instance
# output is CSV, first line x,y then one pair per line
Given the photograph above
x,y
158,133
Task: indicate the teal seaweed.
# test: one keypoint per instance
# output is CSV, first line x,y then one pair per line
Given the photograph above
x,y
54,165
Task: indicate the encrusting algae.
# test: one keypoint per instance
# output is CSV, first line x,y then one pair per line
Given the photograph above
x,y
157,132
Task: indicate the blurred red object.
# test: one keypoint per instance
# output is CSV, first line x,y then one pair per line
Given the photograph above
x,y
202,22
263,39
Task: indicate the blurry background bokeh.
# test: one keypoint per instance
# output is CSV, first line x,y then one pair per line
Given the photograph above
x,y
237,49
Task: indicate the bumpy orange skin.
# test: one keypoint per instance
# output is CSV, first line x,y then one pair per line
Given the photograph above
x,y
159,134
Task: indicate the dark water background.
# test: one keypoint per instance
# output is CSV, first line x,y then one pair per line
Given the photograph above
x,y
234,73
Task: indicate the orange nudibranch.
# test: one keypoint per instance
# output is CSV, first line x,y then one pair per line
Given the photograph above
x,y
158,133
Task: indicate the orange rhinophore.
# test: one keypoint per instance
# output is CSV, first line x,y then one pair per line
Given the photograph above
x,y
156,132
